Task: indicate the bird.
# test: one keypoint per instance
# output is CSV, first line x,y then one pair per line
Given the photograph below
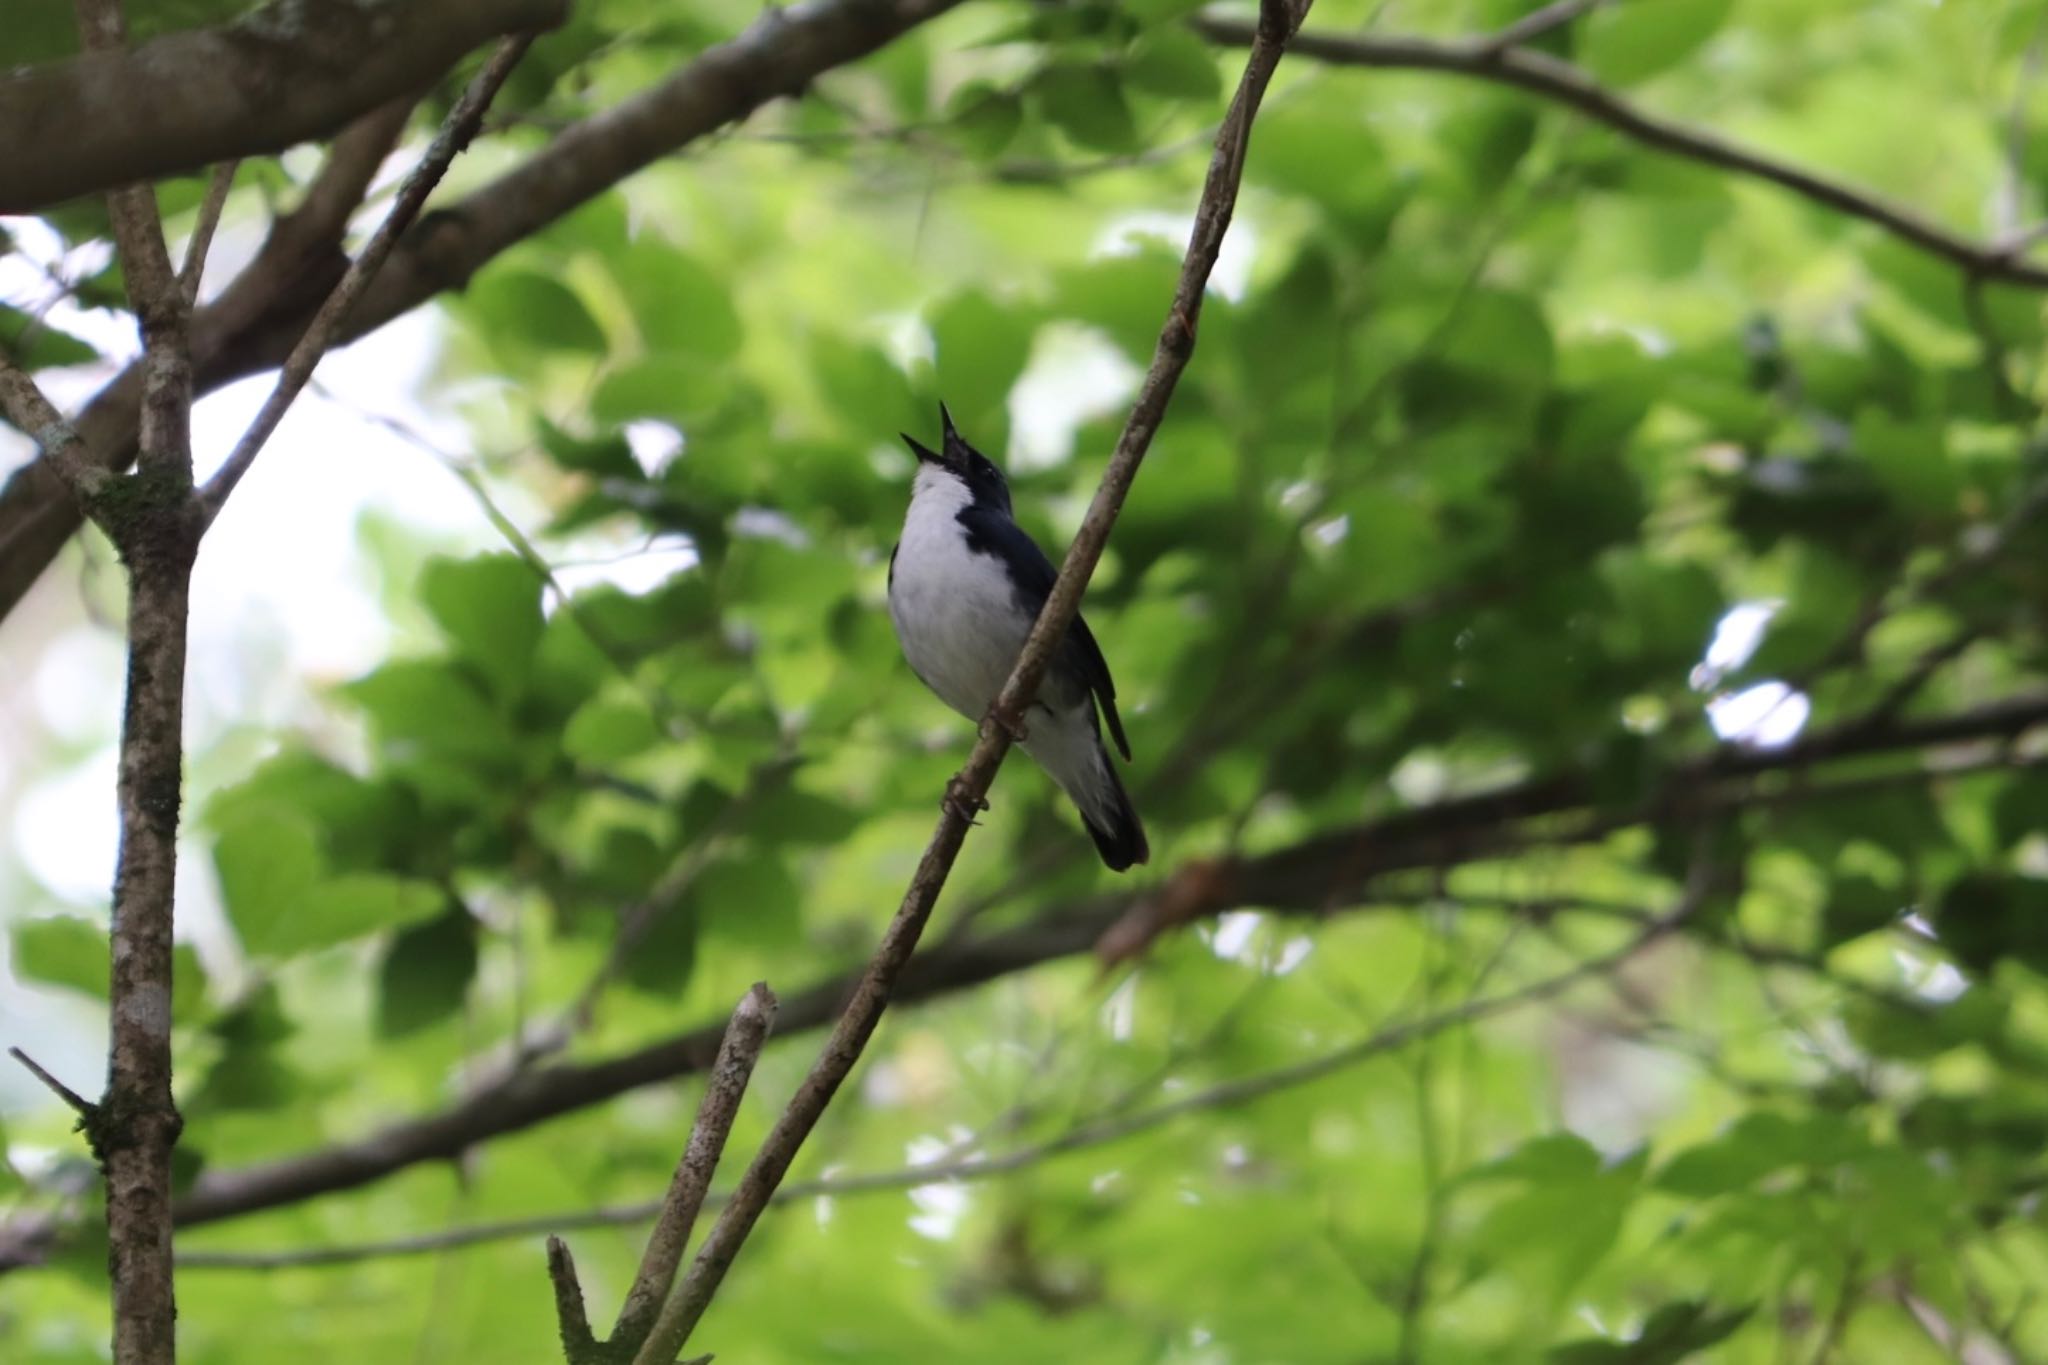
x,y
966,584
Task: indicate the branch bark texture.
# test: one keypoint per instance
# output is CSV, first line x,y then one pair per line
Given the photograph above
x,y
151,518
287,73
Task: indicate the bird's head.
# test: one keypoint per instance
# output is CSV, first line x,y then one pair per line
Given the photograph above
x,y
955,458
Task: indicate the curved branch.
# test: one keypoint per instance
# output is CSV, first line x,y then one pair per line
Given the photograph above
x,y
298,72
1563,83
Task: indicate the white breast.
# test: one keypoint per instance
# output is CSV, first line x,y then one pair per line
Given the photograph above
x,y
953,609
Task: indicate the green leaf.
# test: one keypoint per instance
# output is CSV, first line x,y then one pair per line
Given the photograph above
x,y
1086,102
669,387
62,950
510,306
489,608
266,863
1173,62
426,972
608,729
984,118
351,906
1671,1335
1624,44
607,456
1986,916
982,347
680,306
34,344
1857,906
430,706
751,898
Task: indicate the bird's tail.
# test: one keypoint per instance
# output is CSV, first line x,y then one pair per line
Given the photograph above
x,y
1111,819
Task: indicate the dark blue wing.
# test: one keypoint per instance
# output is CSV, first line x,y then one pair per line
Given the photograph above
x,y
991,533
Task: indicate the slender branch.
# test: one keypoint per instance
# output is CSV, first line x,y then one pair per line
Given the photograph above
x,y
64,450
203,230
1563,83
578,1345
84,1107
969,788
744,1039
456,131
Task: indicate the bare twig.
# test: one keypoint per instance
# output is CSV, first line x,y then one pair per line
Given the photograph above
x,y
577,1343
203,230
79,1103
456,131
1563,83
727,1084
967,790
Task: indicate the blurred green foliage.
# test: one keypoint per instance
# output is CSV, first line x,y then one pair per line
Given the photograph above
x,y
1495,418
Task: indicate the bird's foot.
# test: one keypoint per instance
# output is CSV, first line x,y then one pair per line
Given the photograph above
x,y
959,803
1013,728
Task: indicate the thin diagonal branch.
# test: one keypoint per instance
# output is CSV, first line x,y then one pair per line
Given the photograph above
x,y
79,1104
460,126
1278,21
202,231
63,449
723,1090
1563,83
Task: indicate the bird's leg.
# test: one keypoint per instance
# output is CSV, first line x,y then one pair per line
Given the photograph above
x,y
959,803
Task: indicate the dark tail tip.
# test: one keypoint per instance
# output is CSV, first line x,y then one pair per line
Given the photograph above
x,y
1121,838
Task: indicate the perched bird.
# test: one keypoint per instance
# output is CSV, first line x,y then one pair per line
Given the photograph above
x,y
965,586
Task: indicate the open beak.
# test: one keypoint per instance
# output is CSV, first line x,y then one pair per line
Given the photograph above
x,y
925,454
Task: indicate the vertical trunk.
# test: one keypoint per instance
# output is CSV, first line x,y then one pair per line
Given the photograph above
x,y
138,1122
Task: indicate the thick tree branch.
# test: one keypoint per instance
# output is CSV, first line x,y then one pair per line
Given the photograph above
x,y
251,330
1318,876
1563,83
298,71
